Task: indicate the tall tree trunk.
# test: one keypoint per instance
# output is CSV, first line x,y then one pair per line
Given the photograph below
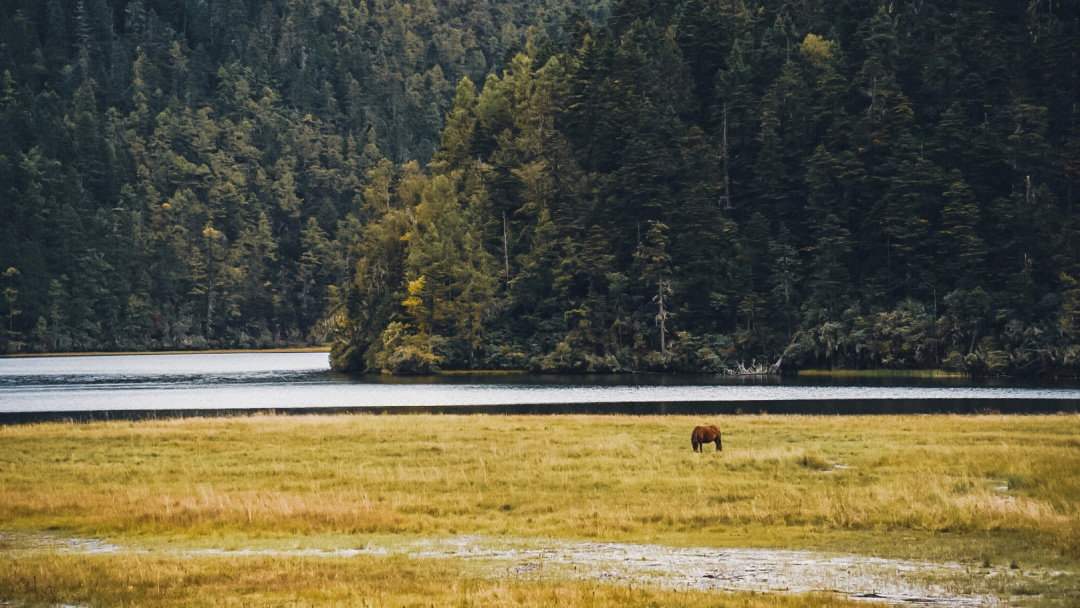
x,y
662,316
506,253
724,157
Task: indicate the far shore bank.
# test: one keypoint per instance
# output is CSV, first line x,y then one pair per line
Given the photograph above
x,y
882,373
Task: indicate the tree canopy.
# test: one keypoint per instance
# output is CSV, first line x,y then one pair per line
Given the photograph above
x,y
654,185
696,185
193,173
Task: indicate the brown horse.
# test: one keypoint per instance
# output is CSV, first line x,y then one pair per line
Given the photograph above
x,y
706,434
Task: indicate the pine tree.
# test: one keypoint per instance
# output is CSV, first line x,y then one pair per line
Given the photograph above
x,y
655,268
963,252
451,280
11,297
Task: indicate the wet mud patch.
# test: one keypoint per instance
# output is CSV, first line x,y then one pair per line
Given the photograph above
x,y
709,569
871,579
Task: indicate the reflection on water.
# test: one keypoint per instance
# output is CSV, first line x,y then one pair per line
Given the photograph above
x,y
286,381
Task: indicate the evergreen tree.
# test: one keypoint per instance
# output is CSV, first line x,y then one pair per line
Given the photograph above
x,y
853,184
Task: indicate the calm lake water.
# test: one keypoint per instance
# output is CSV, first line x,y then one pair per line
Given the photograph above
x,y
110,386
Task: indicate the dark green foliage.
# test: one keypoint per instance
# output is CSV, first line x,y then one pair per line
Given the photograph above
x,y
699,184
683,185
191,174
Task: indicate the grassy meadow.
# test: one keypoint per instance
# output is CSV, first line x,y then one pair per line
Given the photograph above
x,y
979,489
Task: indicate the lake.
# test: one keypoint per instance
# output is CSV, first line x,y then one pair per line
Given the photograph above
x,y
150,385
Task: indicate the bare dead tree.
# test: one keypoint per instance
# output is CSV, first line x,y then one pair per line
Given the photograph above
x,y
506,252
724,159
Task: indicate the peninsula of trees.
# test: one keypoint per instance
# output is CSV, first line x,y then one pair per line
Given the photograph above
x,y
658,185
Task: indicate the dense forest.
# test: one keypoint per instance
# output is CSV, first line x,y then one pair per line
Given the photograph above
x,y
190,173
655,185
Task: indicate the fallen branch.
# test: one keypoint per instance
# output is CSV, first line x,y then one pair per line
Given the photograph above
x,y
755,369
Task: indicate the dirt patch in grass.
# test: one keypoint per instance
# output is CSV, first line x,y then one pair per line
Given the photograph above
x,y
901,582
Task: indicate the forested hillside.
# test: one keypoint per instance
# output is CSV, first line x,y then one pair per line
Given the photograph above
x,y
189,173
554,185
700,183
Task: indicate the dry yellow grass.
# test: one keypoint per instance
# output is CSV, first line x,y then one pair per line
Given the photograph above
x,y
899,485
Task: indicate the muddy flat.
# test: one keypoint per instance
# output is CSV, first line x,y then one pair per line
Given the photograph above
x,y
873,579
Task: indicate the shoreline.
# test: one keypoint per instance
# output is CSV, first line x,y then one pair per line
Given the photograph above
x,y
847,408
885,373
929,373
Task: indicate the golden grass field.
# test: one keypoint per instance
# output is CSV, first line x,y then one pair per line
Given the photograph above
x,y
987,489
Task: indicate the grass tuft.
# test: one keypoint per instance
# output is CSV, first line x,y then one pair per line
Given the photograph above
x,y
814,462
